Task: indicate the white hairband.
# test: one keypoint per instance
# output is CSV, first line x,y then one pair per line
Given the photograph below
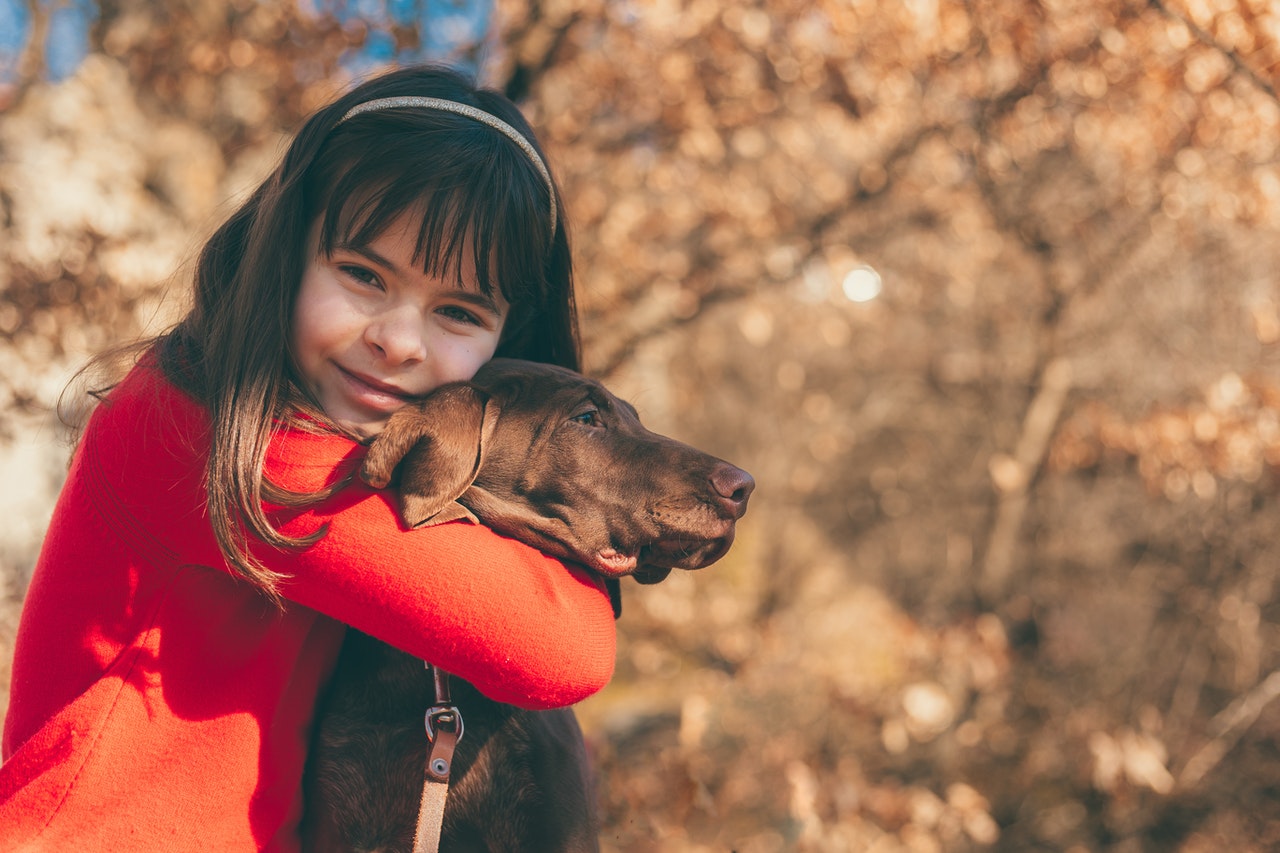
x,y
473,113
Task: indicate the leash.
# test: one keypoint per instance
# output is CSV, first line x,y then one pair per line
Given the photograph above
x,y
444,729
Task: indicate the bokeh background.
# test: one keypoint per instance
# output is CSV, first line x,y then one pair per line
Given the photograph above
x,y
986,294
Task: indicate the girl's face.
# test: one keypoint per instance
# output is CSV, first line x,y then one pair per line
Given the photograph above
x,y
372,331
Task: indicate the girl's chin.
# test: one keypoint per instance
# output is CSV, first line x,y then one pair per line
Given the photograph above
x,y
361,426
362,421
363,430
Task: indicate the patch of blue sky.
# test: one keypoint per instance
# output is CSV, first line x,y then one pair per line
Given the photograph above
x,y
454,29
451,31
67,42
378,51
15,24
403,11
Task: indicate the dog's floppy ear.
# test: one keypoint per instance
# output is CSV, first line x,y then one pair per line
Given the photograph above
x,y
439,446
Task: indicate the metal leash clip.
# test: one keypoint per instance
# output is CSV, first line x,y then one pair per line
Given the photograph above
x,y
443,722
449,715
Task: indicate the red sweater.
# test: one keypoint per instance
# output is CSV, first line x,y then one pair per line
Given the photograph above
x,y
160,703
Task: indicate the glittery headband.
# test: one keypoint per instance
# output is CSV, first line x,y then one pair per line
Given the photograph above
x,y
472,113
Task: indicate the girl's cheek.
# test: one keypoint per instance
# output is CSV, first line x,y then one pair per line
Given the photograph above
x,y
465,358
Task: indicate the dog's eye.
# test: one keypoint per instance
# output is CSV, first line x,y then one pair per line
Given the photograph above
x,y
590,417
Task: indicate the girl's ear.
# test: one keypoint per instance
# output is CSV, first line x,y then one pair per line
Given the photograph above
x,y
439,446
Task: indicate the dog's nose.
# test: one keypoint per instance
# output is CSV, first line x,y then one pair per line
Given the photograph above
x,y
733,486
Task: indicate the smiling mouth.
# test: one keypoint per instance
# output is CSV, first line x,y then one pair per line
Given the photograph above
x,y
374,394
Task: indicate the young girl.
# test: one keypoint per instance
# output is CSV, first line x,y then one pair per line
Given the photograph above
x,y
211,541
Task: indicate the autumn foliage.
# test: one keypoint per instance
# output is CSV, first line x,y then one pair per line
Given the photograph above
x,y
985,294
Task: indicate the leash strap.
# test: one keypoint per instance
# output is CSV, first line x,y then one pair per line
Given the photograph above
x,y
443,722
430,817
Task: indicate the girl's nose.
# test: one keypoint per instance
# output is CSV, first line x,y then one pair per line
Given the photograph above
x,y
397,337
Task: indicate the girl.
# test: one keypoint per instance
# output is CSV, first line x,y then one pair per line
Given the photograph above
x,y
211,541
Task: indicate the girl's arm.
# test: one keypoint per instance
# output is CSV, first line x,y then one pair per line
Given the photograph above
x,y
523,627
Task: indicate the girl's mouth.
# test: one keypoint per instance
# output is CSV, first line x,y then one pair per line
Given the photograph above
x,y
373,394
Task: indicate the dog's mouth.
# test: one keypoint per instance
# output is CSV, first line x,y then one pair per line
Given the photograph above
x,y
651,574
613,563
653,562
685,553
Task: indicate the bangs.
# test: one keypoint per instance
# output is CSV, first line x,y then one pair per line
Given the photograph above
x,y
481,197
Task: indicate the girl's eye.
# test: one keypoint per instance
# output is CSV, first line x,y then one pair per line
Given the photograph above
x,y
591,417
362,275
461,315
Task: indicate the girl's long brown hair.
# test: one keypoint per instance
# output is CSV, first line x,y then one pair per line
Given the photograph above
x,y
469,185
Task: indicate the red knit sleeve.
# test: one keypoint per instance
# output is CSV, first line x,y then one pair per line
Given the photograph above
x,y
520,625
523,627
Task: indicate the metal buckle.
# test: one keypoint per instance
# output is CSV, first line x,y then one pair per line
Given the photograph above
x,y
447,714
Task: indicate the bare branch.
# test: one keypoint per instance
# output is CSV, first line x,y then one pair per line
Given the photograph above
x,y
1208,40
1227,728
1014,474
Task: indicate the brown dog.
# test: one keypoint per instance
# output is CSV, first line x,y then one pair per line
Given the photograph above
x,y
549,457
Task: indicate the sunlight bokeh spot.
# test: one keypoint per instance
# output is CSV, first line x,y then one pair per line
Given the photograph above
x,y
861,284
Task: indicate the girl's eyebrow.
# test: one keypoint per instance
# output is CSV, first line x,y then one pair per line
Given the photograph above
x,y
475,297
479,300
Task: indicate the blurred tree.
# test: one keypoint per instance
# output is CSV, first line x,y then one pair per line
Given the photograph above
x,y
984,293
50,38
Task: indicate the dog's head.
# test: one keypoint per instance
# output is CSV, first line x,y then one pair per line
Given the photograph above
x,y
547,456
